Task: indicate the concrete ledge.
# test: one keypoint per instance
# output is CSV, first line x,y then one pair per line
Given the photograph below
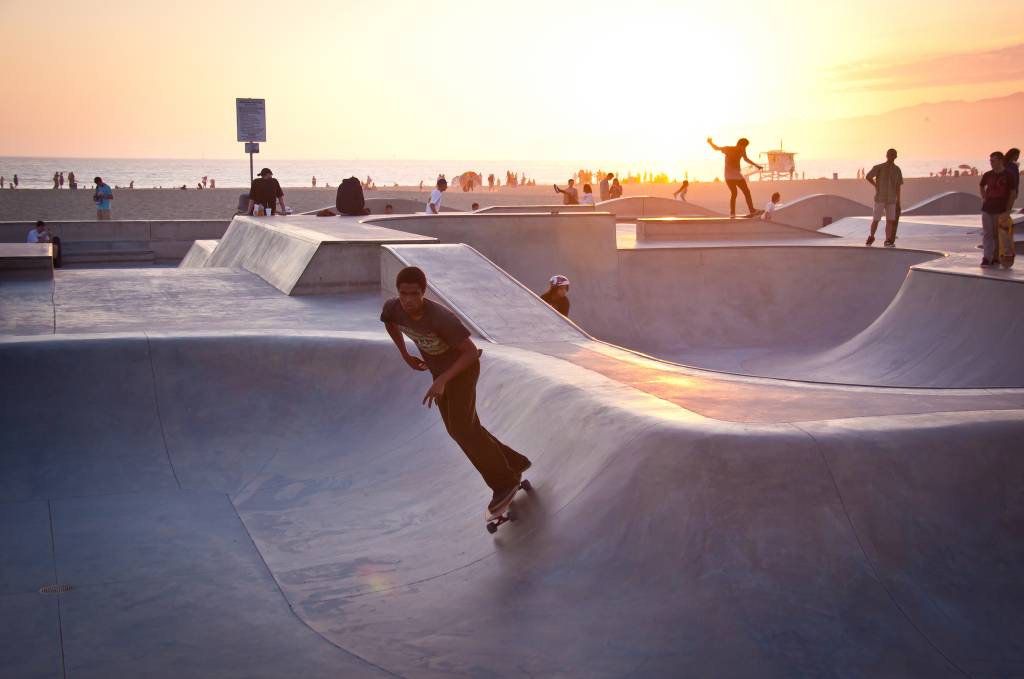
x,y
308,255
26,260
716,229
198,254
550,209
634,207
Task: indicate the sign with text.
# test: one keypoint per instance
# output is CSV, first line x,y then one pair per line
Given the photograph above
x,y
251,119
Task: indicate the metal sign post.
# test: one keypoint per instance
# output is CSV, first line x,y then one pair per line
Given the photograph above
x,y
251,125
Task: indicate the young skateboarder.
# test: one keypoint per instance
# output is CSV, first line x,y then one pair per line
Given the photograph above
x,y
454,362
734,178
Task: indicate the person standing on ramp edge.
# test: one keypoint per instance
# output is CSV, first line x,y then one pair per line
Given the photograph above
x,y
734,178
454,361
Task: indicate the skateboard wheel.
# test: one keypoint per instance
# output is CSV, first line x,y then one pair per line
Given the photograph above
x,y
526,485
492,528
511,515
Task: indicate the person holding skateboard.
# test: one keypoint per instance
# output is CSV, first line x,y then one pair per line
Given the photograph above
x,y
999,188
453,360
887,178
734,178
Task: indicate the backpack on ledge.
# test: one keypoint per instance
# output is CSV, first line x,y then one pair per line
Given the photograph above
x,y
350,198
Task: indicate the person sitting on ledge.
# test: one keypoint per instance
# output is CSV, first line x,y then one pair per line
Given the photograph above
x,y
558,294
771,206
41,234
266,191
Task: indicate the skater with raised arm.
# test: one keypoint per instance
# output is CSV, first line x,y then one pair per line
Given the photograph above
x,y
453,360
734,178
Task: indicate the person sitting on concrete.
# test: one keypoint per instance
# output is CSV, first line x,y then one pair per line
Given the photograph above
x,y
41,234
999,187
102,197
570,196
448,351
681,191
474,207
389,209
771,206
266,191
588,195
887,178
558,294
434,204
615,191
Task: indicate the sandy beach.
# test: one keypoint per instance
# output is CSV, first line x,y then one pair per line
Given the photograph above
x,y
29,204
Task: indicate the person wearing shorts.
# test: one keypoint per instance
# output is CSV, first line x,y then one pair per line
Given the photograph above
x,y
734,178
102,197
887,178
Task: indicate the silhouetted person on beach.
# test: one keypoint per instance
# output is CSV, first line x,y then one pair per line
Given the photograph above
x,y
570,196
615,191
588,195
681,191
434,204
72,182
448,351
558,294
15,181
314,182
266,191
604,187
56,181
102,197
999,187
887,178
734,178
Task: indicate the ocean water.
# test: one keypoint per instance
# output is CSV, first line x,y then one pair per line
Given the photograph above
x,y
37,173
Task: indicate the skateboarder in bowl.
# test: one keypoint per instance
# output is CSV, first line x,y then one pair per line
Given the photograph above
x,y
453,360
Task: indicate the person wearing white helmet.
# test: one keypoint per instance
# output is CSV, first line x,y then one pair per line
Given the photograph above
x,y
558,294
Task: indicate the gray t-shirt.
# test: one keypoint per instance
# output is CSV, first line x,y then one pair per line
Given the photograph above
x,y
436,334
888,178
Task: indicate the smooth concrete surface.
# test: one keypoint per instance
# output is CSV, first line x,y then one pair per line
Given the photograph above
x,y
239,482
303,255
948,203
812,212
537,208
717,229
199,254
26,260
633,207
260,504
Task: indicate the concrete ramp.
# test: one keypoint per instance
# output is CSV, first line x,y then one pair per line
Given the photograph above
x,y
719,229
817,210
543,209
492,303
634,207
948,203
284,506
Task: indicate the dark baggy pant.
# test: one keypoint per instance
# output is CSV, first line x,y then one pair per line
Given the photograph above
x,y
740,184
495,461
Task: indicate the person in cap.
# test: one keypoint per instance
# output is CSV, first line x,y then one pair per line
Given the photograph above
x,y
266,191
558,294
448,352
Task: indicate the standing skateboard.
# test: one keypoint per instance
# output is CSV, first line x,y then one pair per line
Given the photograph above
x,y
505,512
1007,248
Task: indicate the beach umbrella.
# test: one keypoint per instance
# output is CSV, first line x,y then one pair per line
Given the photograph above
x,y
963,167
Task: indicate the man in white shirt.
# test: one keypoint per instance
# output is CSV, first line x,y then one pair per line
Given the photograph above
x,y
769,209
41,234
434,205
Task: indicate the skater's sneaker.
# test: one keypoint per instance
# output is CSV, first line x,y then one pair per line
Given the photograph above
x,y
870,240
985,263
502,497
754,213
889,244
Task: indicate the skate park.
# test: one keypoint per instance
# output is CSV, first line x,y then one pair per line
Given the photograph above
x,y
760,449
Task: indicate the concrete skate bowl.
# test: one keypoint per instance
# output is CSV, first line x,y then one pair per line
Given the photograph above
x,y
658,543
948,203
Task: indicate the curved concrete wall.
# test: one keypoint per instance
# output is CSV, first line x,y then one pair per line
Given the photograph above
x,y
949,203
811,212
631,207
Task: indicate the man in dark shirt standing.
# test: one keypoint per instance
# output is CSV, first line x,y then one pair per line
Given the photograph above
x,y
454,361
266,191
999,188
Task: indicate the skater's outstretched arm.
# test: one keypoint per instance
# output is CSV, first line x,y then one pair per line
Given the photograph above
x,y
714,145
750,162
468,353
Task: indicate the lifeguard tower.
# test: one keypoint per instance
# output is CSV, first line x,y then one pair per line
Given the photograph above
x,y
780,164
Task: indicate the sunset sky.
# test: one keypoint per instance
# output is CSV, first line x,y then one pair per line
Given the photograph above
x,y
514,80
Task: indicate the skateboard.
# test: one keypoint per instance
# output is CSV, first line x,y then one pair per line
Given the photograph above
x,y
1007,251
505,512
